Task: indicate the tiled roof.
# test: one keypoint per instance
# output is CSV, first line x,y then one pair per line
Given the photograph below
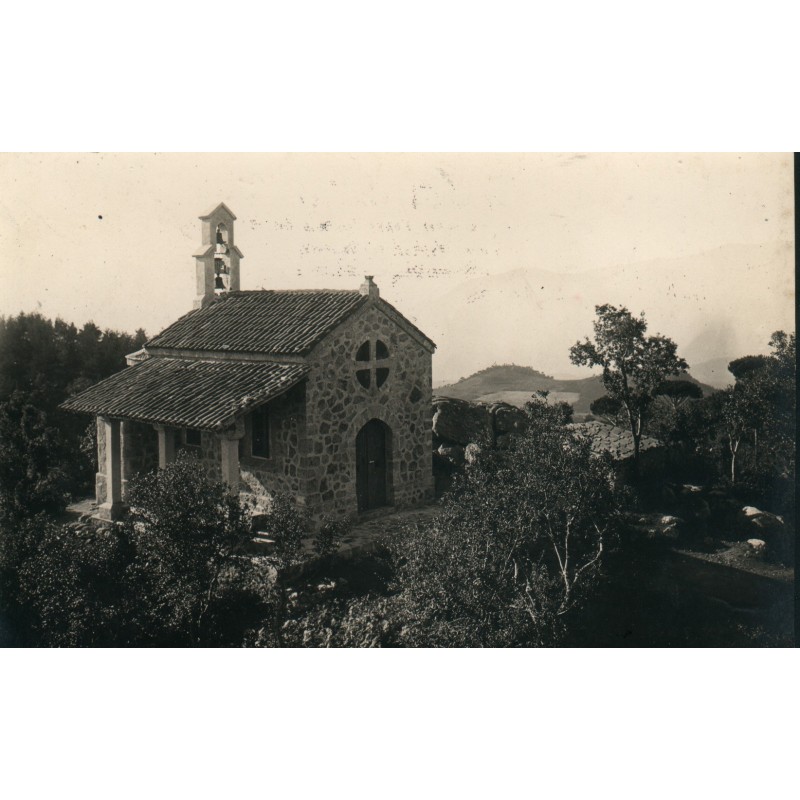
x,y
185,392
614,440
279,322
395,315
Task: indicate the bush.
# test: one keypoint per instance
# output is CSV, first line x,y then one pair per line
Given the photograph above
x,y
77,586
189,532
286,525
173,573
32,476
369,621
330,535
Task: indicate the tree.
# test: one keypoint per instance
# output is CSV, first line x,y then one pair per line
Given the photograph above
x,y
677,392
737,409
747,365
608,408
763,403
634,365
42,362
559,412
32,474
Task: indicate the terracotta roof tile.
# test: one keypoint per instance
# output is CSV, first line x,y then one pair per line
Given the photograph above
x,y
187,393
279,322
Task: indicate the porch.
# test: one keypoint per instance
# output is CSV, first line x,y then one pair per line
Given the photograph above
x,y
144,409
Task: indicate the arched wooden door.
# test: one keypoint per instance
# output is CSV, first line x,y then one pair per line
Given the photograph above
x,y
372,474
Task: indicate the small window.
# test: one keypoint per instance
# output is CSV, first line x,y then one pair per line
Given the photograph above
x,y
259,442
381,374
381,350
363,352
192,437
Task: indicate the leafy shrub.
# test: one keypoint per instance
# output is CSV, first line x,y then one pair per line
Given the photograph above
x,y
188,531
173,573
32,474
286,525
330,535
77,586
370,621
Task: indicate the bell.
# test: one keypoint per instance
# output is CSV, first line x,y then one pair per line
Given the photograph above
x,y
218,282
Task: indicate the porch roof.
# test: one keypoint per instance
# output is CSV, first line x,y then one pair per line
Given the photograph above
x,y
187,393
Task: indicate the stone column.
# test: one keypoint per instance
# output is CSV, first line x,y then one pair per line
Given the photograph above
x,y
126,452
166,445
112,508
229,450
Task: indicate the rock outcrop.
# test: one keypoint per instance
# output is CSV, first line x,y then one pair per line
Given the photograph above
x,y
460,422
462,429
752,523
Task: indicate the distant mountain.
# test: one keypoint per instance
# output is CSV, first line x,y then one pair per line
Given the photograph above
x,y
709,303
714,372
514,384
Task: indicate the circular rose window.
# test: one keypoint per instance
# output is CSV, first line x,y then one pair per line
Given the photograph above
x,y
372,364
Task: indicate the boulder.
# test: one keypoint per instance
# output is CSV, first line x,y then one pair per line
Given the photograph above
x,y
508,418
655,526
461,422
471,453
753,523
671,527
757,546
753,519
452,453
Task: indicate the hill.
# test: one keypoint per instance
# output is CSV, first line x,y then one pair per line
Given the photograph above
x,y
714,372
514,384
708,303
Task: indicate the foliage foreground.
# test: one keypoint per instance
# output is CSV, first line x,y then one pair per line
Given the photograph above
x,y
515,551
509,559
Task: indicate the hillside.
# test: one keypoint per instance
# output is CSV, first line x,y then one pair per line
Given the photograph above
x,y
515,384
708,303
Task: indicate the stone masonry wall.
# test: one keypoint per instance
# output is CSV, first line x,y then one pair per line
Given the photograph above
x,y
139,450
338,406
209,454
282,471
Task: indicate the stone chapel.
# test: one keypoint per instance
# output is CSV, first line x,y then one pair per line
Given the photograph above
x,y
323,394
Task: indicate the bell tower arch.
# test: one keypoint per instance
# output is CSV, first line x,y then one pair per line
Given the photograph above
x,y
217,260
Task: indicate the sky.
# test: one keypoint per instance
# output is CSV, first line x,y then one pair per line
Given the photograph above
x,y
498,257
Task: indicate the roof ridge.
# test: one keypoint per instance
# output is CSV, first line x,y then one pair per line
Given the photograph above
x,y
276,321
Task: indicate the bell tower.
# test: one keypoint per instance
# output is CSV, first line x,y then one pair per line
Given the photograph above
x,y
218,258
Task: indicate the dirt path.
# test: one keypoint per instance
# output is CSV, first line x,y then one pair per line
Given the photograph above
x,y
366,533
